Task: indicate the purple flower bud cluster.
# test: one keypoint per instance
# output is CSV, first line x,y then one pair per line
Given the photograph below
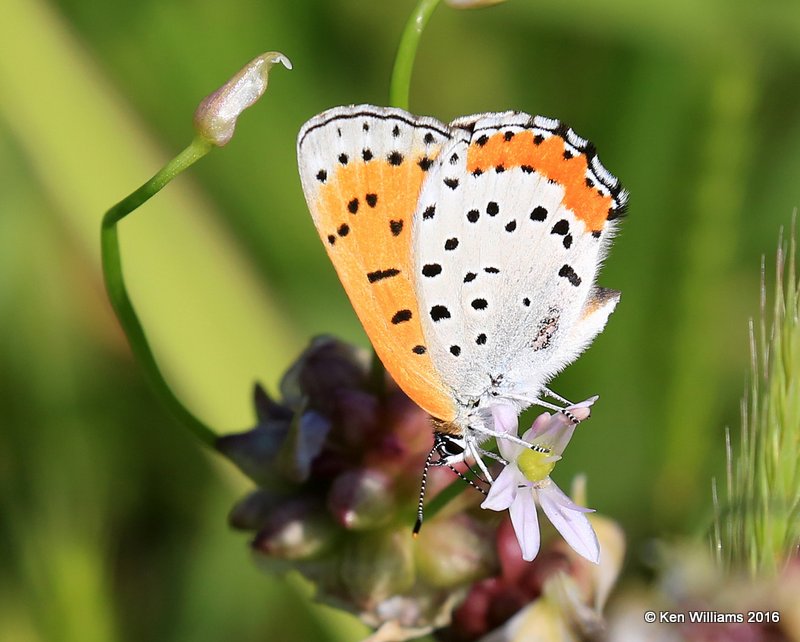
x,y
337,462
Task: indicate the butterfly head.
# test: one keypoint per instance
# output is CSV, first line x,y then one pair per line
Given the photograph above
x,y
450,448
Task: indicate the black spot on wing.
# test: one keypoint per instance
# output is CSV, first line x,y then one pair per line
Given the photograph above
x,y
539,213
380,275
479,304
569,274
401,316
439,312
431,269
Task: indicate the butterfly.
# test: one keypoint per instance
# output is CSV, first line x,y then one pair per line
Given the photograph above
x,y
469,252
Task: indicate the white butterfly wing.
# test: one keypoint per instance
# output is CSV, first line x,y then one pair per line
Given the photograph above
x,y
508,238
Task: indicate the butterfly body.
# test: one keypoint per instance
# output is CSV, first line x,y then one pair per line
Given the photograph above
x,y
469,251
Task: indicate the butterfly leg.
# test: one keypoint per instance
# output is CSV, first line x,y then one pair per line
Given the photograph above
x,y
473,451
503,435
491,455
556,396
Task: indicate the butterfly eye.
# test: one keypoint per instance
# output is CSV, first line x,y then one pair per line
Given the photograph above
x,y
449,447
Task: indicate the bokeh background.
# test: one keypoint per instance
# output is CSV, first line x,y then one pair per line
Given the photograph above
x,y
112,520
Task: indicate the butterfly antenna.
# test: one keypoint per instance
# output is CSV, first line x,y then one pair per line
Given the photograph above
x,y
420,505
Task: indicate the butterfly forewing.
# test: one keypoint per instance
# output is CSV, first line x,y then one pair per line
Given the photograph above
x,y
362,170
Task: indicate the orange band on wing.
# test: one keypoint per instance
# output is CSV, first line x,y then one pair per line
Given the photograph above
x,y
364,215
546,158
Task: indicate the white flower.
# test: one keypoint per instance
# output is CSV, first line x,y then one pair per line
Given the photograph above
x,y
525,482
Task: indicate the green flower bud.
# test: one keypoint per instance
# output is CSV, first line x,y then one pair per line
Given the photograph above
x,y
455,551
378,565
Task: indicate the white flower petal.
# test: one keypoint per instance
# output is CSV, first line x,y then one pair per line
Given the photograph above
x,y
536,428
505,418
557,433
570,520
526,524
581,409
503,489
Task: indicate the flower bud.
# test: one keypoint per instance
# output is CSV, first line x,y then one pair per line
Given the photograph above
x,y
215,118
326,366
254,451
455,552
252,512
360,499
378,565
268,409
357,419
304,441
296,530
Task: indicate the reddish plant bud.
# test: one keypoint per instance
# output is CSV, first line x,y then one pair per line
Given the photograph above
x,y
359,499
252,512
298,529
326,366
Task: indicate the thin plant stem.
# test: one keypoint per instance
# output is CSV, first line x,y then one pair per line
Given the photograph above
x,y
400,86
399,89
118,292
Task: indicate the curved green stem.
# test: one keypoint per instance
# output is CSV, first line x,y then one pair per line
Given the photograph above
x,y
118,293
406,53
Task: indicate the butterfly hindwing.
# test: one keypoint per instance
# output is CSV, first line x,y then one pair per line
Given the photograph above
x,y
362,169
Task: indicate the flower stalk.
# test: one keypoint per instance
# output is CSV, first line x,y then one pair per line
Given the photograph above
x,y
215,120
400,86
118,292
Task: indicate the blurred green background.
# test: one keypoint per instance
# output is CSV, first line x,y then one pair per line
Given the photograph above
x,y
112,520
